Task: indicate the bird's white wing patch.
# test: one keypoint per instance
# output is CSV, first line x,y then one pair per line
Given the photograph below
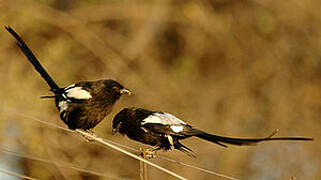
x,y
77,93
62,106
152,119
163,118
177,128
70,86
172,118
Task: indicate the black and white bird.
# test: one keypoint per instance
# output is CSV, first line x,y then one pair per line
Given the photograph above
x,y
81,105
163,131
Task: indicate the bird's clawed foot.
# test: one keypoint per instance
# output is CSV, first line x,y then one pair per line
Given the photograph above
x,y
148,153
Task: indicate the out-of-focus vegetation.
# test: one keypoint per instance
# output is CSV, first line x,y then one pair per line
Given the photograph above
x,y
237,68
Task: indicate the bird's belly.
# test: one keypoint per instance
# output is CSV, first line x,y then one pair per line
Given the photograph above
x,y
85,117
150,139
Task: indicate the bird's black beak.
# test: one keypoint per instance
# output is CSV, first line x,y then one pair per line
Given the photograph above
x,y
125,91
114,131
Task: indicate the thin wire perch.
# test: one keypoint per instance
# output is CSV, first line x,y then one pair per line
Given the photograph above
x,y
100,140
10,173
110,144
56,163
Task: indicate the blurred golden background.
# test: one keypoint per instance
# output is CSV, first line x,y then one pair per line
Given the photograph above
x,y
235,68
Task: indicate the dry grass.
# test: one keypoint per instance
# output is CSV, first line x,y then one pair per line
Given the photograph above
x,y
238,68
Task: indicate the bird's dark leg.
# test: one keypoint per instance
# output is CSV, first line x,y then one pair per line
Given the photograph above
x,y
149,153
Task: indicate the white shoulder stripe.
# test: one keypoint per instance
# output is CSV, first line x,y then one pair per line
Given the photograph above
x,y
62,106
70,86
172,117
163,118
177,128
78,93
152,119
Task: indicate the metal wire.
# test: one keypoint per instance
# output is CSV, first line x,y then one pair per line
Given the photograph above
x,y
15,174
114,145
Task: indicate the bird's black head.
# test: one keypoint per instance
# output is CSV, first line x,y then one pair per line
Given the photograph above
x,y
129,118
115,88
120,119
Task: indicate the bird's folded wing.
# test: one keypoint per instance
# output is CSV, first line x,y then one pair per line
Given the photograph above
x,y
161,129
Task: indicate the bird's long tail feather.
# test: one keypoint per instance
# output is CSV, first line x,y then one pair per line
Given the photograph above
x,y
34,61
222,140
